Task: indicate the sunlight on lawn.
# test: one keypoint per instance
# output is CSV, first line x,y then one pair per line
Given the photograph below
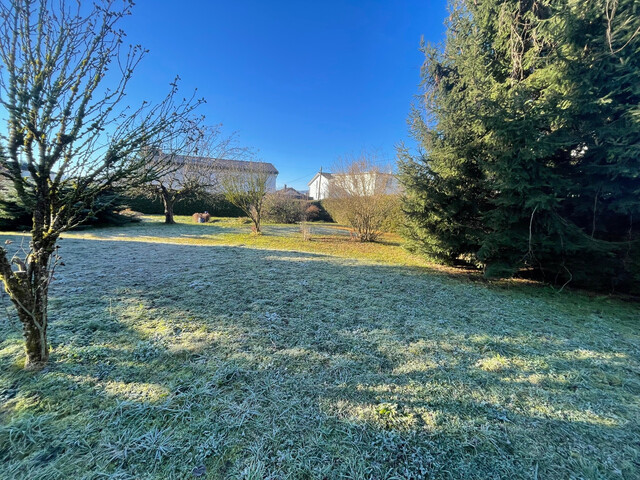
x,y
310,365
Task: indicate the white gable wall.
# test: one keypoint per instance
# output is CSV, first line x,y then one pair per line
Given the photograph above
x,y
319,187
365,184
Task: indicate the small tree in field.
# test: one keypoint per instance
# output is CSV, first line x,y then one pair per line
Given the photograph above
x,y
189,161
246,187
63,75
362,194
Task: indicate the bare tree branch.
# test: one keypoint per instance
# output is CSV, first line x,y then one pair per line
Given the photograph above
x,y
68,136
363,194
189,166
246,187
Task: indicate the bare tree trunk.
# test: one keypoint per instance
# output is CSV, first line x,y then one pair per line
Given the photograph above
x,y
37,345
255,217
168,202
34,326
28,289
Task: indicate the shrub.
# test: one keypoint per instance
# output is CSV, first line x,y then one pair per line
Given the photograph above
x,y
282,209
394,219
312,213
216,205
107,211
317,213
110,211
363,195
14,215
368,219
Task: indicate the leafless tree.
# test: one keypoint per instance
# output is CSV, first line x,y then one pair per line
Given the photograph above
x,y
63,74
362,194
190,162
246,187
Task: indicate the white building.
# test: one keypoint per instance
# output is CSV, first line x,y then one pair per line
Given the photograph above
x,y
365,183
319,186
218,168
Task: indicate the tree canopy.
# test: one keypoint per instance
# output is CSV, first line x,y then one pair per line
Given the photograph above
x,y
530,134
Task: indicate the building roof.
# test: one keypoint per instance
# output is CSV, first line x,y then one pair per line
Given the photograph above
x,y
290,192
326,175
233,165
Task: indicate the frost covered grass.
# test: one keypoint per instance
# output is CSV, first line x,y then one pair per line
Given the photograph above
x,y
199,351
329,239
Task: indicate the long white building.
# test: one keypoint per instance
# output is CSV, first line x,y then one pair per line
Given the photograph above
x,y
364,183
220,168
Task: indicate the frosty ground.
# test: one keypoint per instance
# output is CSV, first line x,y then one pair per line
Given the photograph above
x,y
199,351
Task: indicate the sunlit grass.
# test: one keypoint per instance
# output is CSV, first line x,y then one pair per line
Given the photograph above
x,y
328,239
201,351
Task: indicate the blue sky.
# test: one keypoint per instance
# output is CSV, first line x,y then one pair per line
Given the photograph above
x,y
302,82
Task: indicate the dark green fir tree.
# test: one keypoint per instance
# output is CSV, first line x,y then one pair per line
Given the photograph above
x,y
537,123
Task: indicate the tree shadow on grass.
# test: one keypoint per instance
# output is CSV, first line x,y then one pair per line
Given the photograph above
x,y
158,229
269,363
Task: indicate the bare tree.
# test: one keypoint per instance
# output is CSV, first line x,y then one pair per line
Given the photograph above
x,y
190,162
246,186
63,74
362,194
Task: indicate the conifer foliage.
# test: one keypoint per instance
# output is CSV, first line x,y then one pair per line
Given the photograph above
x,y
530,135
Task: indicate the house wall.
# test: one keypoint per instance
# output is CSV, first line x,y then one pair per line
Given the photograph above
x,y
216,180
271,183
366,184
271,180
319,188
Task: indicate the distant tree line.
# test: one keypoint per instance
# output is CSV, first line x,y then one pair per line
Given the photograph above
x,y
530,134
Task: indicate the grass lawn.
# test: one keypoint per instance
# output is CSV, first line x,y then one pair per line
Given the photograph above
x,y
199,351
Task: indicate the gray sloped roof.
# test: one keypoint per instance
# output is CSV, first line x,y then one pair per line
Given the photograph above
x,y
231,165
291,192
324,174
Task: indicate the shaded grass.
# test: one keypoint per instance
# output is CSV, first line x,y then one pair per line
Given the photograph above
x,y
328,239
233,362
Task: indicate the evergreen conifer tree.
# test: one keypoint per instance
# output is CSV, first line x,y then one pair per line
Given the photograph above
x,y
552,129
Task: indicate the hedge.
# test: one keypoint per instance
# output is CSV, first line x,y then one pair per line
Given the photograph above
x,y
217,207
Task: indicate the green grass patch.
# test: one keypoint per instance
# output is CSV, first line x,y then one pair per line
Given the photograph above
x,y
200,351
325,238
